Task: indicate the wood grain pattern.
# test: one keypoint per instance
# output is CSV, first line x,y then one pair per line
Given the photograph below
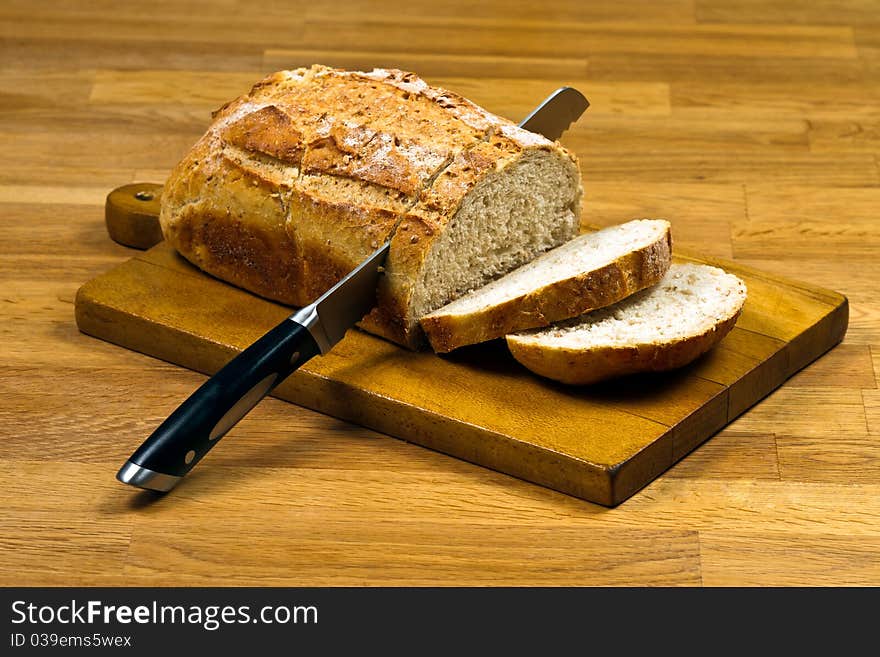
x,y
771,101
790,559
572,39
807,222
722,457
844,456
432,65
871,399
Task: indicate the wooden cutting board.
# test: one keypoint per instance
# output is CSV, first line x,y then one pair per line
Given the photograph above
x,y
601,443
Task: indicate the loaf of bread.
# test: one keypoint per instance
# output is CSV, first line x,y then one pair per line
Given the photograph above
x,y
661,328
299,180
589,272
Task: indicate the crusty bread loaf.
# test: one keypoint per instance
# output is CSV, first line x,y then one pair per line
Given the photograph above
x,y
298,181
661,328
589,272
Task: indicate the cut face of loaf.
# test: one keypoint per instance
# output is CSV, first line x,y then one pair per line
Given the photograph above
x,y
589,272
661,328
298,181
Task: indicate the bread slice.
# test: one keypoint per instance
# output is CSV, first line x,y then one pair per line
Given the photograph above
x,y
589,272
661,328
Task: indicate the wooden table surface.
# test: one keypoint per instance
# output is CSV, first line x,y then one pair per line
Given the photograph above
x,y
754,125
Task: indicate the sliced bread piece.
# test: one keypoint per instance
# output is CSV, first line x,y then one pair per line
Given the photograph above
x,y
661,328
589,272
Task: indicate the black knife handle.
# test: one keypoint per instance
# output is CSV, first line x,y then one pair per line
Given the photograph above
x,y
202,420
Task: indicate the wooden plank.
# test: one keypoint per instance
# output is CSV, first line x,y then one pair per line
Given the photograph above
x,y
188,121
717,68
313,499
213,27
47,227
37,194
67,10
701,214
150,175
97,149
563,11
790,169
875,356
549,38
848,366
34,52
431,65
94,438
684,130
871,400
788,559
807,412
66,174
145,87
839,456
241,494
25,90
785,12
807,221
60,539
867,37
828,100
734,506
844,135
60,550
418,554
731,455
274,435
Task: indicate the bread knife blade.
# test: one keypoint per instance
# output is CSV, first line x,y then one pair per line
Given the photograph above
x,y
189,433
558,111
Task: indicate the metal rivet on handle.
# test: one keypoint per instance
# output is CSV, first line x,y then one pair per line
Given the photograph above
x,y
190,455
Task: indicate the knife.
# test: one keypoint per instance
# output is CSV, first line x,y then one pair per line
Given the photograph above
x,y
199,423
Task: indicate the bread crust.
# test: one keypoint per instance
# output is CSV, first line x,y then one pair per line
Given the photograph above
x,y
298,181
555,301
582,366
229,221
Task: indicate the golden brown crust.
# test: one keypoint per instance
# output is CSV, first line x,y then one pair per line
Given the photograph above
x,y
230,222
555,301
300,179
269,131
585,366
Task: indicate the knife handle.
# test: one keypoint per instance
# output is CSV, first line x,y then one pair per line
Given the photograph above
x,y
199,423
